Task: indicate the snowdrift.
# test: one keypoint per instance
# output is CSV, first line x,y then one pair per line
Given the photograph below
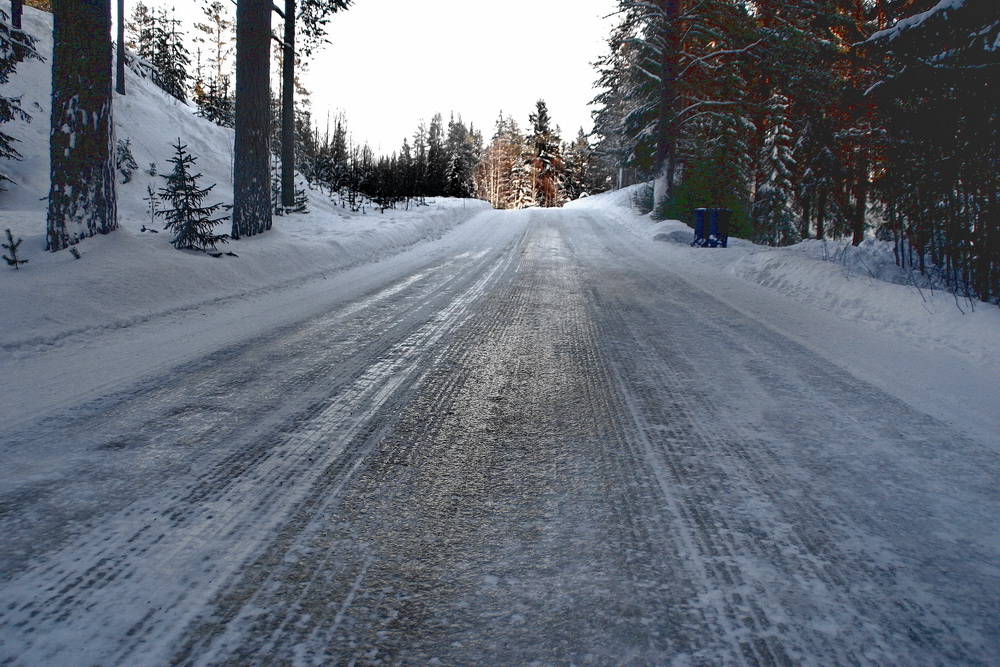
x,y
860,284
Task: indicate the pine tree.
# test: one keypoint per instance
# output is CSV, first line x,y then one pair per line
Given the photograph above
x,y
15,46
189,220
141,30
12,246
773,217
494,173
124,160
310,17
545,159
251,184
217,33
171,57
82,199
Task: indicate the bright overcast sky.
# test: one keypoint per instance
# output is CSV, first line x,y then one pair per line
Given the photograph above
x,y
391,63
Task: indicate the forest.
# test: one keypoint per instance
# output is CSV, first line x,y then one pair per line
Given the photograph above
x,y
819,119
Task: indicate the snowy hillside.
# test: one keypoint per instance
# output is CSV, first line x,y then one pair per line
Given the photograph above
x,y
132,276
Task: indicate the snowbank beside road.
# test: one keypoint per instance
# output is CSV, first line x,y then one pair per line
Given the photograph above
x,y
129,277
853,284
134,276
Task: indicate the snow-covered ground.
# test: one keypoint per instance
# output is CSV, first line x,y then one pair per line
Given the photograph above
x,y
370,296
848,304
132,276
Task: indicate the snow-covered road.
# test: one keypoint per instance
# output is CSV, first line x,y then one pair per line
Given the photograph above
x,y
530,441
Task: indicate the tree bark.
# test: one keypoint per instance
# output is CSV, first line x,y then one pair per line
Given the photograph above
x,y
288,109
120,69
251,174
666,133
860,199
16,7
82,200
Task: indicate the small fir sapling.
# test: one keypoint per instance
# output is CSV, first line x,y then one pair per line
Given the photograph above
x,y
301,202
124,160
154,206
189,220
12,247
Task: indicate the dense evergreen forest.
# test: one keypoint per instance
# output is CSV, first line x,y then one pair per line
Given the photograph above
x,y
816,119
827,119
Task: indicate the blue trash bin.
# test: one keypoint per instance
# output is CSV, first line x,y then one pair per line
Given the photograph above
x,y
699,226
719,232
711,227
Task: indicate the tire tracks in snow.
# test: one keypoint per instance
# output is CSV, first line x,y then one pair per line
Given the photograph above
x,y
496,522
793,574
125,587
561,453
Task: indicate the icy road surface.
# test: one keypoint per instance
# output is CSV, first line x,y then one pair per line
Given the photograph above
x,y
531,442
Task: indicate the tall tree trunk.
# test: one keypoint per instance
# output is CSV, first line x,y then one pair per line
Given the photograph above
x,y
251,174
860,198
120,70
288,109
16,7
666,131
821,213
82,199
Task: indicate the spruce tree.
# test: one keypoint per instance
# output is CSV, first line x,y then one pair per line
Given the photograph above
x,y
773,217
171,57
11,246
578,180
189,220
463,153
124,160
546,159
437,158
15,46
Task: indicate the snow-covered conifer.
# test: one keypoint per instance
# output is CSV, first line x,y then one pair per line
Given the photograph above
x,y
124,160
189,220
773,218
546,158
15,46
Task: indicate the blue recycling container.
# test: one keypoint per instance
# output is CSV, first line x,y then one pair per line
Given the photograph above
x,y
711,227
699,226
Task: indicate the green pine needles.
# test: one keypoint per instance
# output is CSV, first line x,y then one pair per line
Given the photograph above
x,y
11,246
189,220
